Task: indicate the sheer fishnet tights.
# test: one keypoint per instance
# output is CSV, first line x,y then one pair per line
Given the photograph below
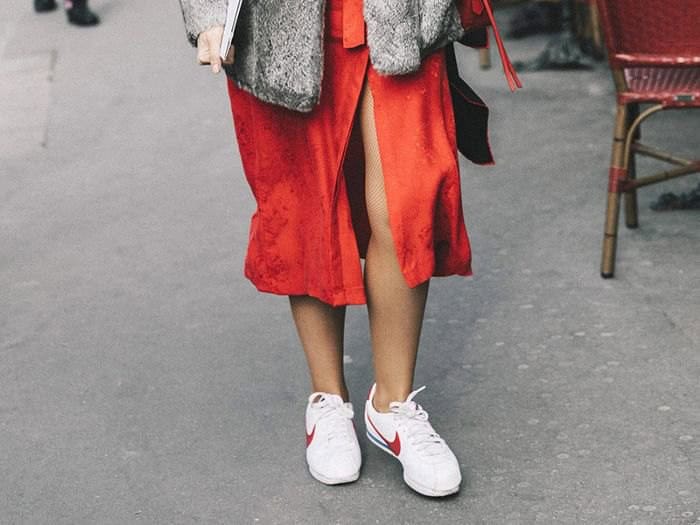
x,y
395,310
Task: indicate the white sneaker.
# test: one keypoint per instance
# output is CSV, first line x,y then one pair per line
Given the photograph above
x,y
429,466
332,450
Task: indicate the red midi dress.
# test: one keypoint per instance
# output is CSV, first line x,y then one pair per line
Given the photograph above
x,y
306,172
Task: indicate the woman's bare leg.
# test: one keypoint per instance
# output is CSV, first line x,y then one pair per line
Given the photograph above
x,y
321,329
395,309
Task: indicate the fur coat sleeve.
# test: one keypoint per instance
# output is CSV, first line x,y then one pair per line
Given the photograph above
x,y
401,33
200,15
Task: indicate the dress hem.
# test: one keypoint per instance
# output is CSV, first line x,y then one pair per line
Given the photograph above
x,y
347,297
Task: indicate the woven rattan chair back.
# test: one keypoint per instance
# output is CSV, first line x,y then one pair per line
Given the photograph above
x,y
648,32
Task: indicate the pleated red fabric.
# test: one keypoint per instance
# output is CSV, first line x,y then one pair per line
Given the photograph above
x,y
306,172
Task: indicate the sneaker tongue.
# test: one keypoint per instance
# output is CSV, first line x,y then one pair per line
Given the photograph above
x,y
334,404
334,400
322,399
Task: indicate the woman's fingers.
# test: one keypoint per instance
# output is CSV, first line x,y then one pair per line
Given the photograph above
x,y
214,37
208,44
202,49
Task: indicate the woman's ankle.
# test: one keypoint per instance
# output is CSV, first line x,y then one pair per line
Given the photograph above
x,y
384,396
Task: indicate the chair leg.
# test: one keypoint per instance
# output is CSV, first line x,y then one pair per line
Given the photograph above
x,y
631,210
596,32
485,58
612,214
631,215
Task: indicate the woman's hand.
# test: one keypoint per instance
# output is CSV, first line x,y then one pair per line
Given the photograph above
x,y
208,45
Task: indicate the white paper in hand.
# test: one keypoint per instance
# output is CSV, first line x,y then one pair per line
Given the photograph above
x,y
234,7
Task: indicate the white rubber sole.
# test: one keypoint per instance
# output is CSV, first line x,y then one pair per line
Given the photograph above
x,y
415,485
334,481
425,491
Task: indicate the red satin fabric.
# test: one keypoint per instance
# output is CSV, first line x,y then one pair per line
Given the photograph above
x,y
306,171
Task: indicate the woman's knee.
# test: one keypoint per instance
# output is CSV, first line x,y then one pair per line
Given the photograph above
x,y
380,228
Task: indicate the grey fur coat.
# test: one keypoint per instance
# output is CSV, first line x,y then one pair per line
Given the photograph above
x,y
279,43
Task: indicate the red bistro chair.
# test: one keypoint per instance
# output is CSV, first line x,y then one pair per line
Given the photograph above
x,y
654,53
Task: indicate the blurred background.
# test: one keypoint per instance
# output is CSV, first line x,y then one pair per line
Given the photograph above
x,y
139,370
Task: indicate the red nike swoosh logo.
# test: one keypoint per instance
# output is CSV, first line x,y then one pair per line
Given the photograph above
x,y
395,445
310,437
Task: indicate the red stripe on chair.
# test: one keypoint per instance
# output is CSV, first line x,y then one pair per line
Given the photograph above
x,y
618,176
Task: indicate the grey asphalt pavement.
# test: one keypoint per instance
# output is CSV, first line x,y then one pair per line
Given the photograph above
x,y
144,380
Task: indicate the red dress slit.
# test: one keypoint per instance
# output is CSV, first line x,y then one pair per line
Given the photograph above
x,y
306,172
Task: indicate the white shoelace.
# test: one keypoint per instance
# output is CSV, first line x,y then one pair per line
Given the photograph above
x,y
339,413
421,433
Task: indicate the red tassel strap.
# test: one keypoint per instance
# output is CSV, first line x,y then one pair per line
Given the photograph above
x,y
508,68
